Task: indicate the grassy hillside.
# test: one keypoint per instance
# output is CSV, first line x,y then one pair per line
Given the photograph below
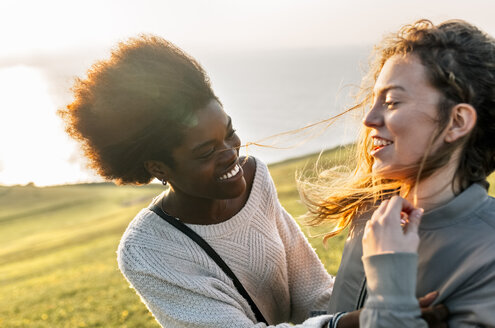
x,y
57,250
57,256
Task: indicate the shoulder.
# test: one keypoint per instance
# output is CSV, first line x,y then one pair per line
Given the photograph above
x,y
147,233
474,234
488,209
487,212
152,249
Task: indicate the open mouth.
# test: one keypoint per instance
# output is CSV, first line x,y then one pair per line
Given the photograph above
x,y
232,173
379,143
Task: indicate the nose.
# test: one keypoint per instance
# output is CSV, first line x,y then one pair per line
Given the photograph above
x,y
230,152
374,117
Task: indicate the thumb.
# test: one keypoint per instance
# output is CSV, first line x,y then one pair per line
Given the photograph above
x,y
414,220
428,299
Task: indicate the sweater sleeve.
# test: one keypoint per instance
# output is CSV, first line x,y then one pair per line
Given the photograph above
x,y
190,298
391,284
309,283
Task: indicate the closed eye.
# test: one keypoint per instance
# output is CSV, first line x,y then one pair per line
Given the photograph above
x,y
231,133
207,154
391,104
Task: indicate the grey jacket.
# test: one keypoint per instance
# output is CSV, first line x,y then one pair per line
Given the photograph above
x,y
456,256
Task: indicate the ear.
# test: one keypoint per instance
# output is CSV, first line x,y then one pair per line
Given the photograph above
x,y
462,121
157,169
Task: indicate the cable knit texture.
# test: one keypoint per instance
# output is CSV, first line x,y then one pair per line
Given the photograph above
x,y
262,244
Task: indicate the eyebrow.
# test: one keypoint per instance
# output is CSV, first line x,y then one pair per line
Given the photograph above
x,y
212,141
388,88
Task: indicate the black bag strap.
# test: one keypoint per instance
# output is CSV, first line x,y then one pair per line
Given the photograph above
x,y
211,253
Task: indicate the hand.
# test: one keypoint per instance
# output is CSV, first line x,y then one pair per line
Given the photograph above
x,y
383,232
349,320
436,315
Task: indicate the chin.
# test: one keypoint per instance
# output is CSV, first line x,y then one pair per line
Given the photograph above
x,y
378,168
234,191
385,171
392,173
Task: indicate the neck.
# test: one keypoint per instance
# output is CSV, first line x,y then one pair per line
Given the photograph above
x,y
196,210
434,191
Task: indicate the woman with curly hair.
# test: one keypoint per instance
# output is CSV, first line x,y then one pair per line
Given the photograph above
x,y
428,140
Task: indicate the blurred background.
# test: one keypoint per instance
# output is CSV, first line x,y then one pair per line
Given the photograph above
x,y
276,65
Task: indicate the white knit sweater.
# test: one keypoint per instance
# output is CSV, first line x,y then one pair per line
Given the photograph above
x,y
262,244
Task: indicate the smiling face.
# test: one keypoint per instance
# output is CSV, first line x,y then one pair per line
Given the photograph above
x,y
207,161
403,116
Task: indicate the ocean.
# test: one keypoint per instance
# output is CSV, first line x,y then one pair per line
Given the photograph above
x,y
265,92
268,93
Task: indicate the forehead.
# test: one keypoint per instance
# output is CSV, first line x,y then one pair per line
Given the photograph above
x,y
405,73
209,122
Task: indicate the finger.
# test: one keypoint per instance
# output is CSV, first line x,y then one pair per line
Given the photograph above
x,y
392,214
382,208
429,298
435,316
367,225
407,206
441,312
379,211
414,221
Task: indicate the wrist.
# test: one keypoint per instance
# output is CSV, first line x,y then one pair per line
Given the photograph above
x,y
391,277
336,319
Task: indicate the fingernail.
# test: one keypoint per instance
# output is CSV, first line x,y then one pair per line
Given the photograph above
x,y
419,212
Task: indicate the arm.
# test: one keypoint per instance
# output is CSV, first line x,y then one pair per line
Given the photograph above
x,y
391,284
179,297
309,283
390,264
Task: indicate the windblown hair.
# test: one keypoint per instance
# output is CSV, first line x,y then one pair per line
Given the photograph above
x,y
134,106
460,62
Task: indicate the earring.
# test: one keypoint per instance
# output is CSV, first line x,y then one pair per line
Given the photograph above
x,y
164,182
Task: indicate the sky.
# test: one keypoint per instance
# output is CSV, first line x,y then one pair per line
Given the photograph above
x,y
45,44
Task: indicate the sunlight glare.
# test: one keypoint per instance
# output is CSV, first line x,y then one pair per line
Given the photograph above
x,y
33,146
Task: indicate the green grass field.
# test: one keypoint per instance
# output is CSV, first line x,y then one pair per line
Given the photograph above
x,y
57,250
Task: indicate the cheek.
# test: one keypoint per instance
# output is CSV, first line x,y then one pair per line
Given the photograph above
x,y
401,129
198,176
411,135
205,173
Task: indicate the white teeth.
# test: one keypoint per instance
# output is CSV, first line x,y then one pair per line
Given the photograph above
x,y
381,142
231,174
